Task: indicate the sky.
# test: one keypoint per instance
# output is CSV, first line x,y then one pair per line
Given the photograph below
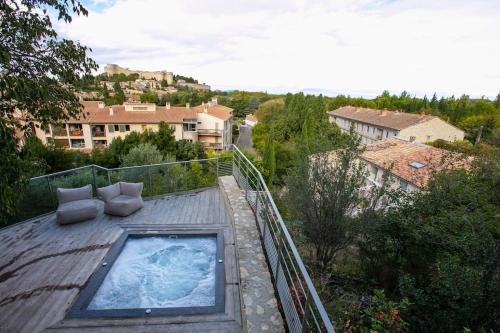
x,y
353,47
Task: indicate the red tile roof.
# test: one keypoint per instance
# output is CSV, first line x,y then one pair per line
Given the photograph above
x,y
219,111
395,155
93,114
389,119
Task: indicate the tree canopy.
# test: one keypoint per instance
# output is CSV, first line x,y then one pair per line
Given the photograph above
x,y
39,71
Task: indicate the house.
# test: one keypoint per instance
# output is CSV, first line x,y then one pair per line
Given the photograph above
x,y
409,165
251,120
374,125
209,123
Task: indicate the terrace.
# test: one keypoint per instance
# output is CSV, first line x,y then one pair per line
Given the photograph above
x,y
45,266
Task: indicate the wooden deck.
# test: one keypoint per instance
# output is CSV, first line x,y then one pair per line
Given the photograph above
x,y
43,267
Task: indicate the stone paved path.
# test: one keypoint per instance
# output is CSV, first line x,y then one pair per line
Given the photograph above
x,y
259,302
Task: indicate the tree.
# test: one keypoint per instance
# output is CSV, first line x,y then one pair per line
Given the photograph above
x,y
186,150
164,139
269,160
324,195
149,97
143,154
440,250
119,94
39,70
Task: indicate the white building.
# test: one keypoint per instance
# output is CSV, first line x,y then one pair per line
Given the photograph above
x,y
209,123
374,125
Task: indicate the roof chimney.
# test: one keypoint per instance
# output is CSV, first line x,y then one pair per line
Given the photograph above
x,y
205,108
111,112
214,100
167,106
187,106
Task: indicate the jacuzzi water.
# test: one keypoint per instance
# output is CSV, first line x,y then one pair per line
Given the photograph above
x,y
160,272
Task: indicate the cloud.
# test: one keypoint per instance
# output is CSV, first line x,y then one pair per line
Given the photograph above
x,y
349,46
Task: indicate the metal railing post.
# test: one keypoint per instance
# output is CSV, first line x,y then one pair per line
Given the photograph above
x,y
279,250
149,176
307,311
257,200
95,179
217,169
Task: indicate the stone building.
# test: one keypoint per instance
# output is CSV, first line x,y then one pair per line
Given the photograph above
x,y
111,69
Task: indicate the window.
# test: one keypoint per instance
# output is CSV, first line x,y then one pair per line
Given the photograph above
x,y
386,134
144,127
189,127
412,138
117,128
417,165
403,184
127,128
428,137
111,128
122,128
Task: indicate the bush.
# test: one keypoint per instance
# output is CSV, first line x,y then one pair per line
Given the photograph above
x,y
143,154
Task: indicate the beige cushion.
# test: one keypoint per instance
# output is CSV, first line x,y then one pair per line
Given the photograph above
x,y
71,194
76,211
123,205
109,192
131,189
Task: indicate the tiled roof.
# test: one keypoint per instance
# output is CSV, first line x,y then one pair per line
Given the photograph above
x,y
390,119
219,111
93,114
396,154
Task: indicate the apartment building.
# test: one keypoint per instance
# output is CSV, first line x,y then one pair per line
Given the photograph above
x,y
374,125
409,165
209,123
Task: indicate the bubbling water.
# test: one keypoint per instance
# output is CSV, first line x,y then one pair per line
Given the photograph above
x,y
160,272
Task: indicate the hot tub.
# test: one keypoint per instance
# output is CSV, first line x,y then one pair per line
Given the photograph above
x,y
157,273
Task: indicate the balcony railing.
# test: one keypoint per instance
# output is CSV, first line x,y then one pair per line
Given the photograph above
x,y
301,304
98,133
59,131
299,299
211,132
76,132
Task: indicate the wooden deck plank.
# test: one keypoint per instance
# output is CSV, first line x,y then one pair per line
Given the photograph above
x,y
44,265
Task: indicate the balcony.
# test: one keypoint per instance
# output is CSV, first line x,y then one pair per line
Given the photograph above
x,y
59,130
98,131
100,143
212,145
77,143
75,129
226,194
209,132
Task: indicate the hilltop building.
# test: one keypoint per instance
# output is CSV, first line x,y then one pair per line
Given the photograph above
x,y
208,123
192,86
374,125
111,69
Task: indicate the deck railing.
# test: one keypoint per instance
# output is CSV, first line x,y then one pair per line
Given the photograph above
x,y
40,195
300,302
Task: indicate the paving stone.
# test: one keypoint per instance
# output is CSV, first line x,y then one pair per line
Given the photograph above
x,y
260,305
